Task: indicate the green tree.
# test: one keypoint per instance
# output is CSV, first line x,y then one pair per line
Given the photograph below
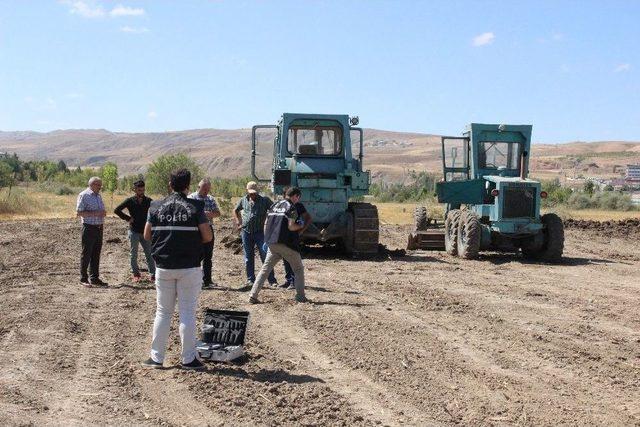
x,y
6,175
62,167
589,187
159,172
109,174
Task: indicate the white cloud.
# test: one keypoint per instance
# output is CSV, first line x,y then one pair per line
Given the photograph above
x,y
93,9
152,115
553,37
39,104
84,9
50,104
483,39
622,68
134,30
121,10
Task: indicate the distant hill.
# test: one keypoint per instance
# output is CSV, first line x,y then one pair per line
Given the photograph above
x,y
226,152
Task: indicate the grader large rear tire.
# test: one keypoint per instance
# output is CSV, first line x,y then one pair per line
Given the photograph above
x,y
451,232
420,219
469,234
553,245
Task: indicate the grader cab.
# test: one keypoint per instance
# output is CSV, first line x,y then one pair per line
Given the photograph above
x,y
491,204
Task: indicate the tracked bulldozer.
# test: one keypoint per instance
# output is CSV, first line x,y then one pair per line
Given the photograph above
x,y
314,152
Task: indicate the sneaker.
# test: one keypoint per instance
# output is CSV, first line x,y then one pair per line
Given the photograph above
x,y
194,365
85,283
286,285
98,282
150,363
247,286
291,287
206,285
253,300
274,285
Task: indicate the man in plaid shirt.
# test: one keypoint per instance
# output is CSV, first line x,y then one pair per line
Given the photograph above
x,y
90,208
211,211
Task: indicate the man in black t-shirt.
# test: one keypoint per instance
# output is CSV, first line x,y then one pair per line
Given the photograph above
x,y
281,236
138,207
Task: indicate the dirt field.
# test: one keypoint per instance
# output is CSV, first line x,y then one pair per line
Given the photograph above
x,y
420,340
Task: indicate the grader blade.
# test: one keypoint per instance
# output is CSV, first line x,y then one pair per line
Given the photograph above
x,y
432,240
427,233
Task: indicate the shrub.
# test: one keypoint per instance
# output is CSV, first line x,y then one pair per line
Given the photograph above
x,y
579,201
160,171
225,207
420,187
556,193
64,191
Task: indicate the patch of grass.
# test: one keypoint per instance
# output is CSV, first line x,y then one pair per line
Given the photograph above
x,y
402,213
593,214
29,203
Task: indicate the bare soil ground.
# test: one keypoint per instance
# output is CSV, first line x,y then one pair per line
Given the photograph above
x,y
420,339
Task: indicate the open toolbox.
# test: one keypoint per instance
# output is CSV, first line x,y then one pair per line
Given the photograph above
x,y
223,334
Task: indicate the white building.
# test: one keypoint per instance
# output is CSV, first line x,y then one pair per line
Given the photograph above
x,y
633,173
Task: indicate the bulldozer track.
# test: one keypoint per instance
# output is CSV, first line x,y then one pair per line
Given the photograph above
x,y
366,228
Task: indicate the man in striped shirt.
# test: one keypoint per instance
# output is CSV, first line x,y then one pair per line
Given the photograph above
x,y
211,211
90,208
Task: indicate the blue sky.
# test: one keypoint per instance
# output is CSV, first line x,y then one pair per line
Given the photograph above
x,y
570,68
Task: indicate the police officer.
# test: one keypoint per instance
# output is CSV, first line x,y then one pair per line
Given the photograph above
x,y
177,227
281,236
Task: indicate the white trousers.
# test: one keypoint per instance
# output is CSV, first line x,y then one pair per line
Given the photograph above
x,y
182,285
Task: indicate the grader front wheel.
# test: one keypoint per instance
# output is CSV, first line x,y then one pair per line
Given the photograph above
x,y
469,234
420,218
451,231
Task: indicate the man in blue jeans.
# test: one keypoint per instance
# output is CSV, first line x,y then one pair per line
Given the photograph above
x,y
138,207
250,214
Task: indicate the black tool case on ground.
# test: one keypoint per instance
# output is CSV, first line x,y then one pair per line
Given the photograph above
x,y
223,334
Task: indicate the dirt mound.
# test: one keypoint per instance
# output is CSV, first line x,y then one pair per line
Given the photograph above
x,y
623,228
233,242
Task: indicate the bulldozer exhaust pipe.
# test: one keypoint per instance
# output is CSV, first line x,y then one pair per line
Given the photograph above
x,y
523,163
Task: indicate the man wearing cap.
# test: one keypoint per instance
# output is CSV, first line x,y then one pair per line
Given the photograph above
x,y
250,214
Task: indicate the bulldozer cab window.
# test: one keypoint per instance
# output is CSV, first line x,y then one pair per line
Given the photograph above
x,y
492,155
315,141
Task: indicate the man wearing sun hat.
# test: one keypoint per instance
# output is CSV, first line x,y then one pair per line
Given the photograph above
x,y
250,214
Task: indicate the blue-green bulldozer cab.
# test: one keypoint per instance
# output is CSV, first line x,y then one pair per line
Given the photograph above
x,y
491,204
314,152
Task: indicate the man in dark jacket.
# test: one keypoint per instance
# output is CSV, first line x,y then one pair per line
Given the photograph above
x,y
281,236
307,220
177,228
138,207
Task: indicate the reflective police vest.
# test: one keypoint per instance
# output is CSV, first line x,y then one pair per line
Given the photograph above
x,y
176,241
277,225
